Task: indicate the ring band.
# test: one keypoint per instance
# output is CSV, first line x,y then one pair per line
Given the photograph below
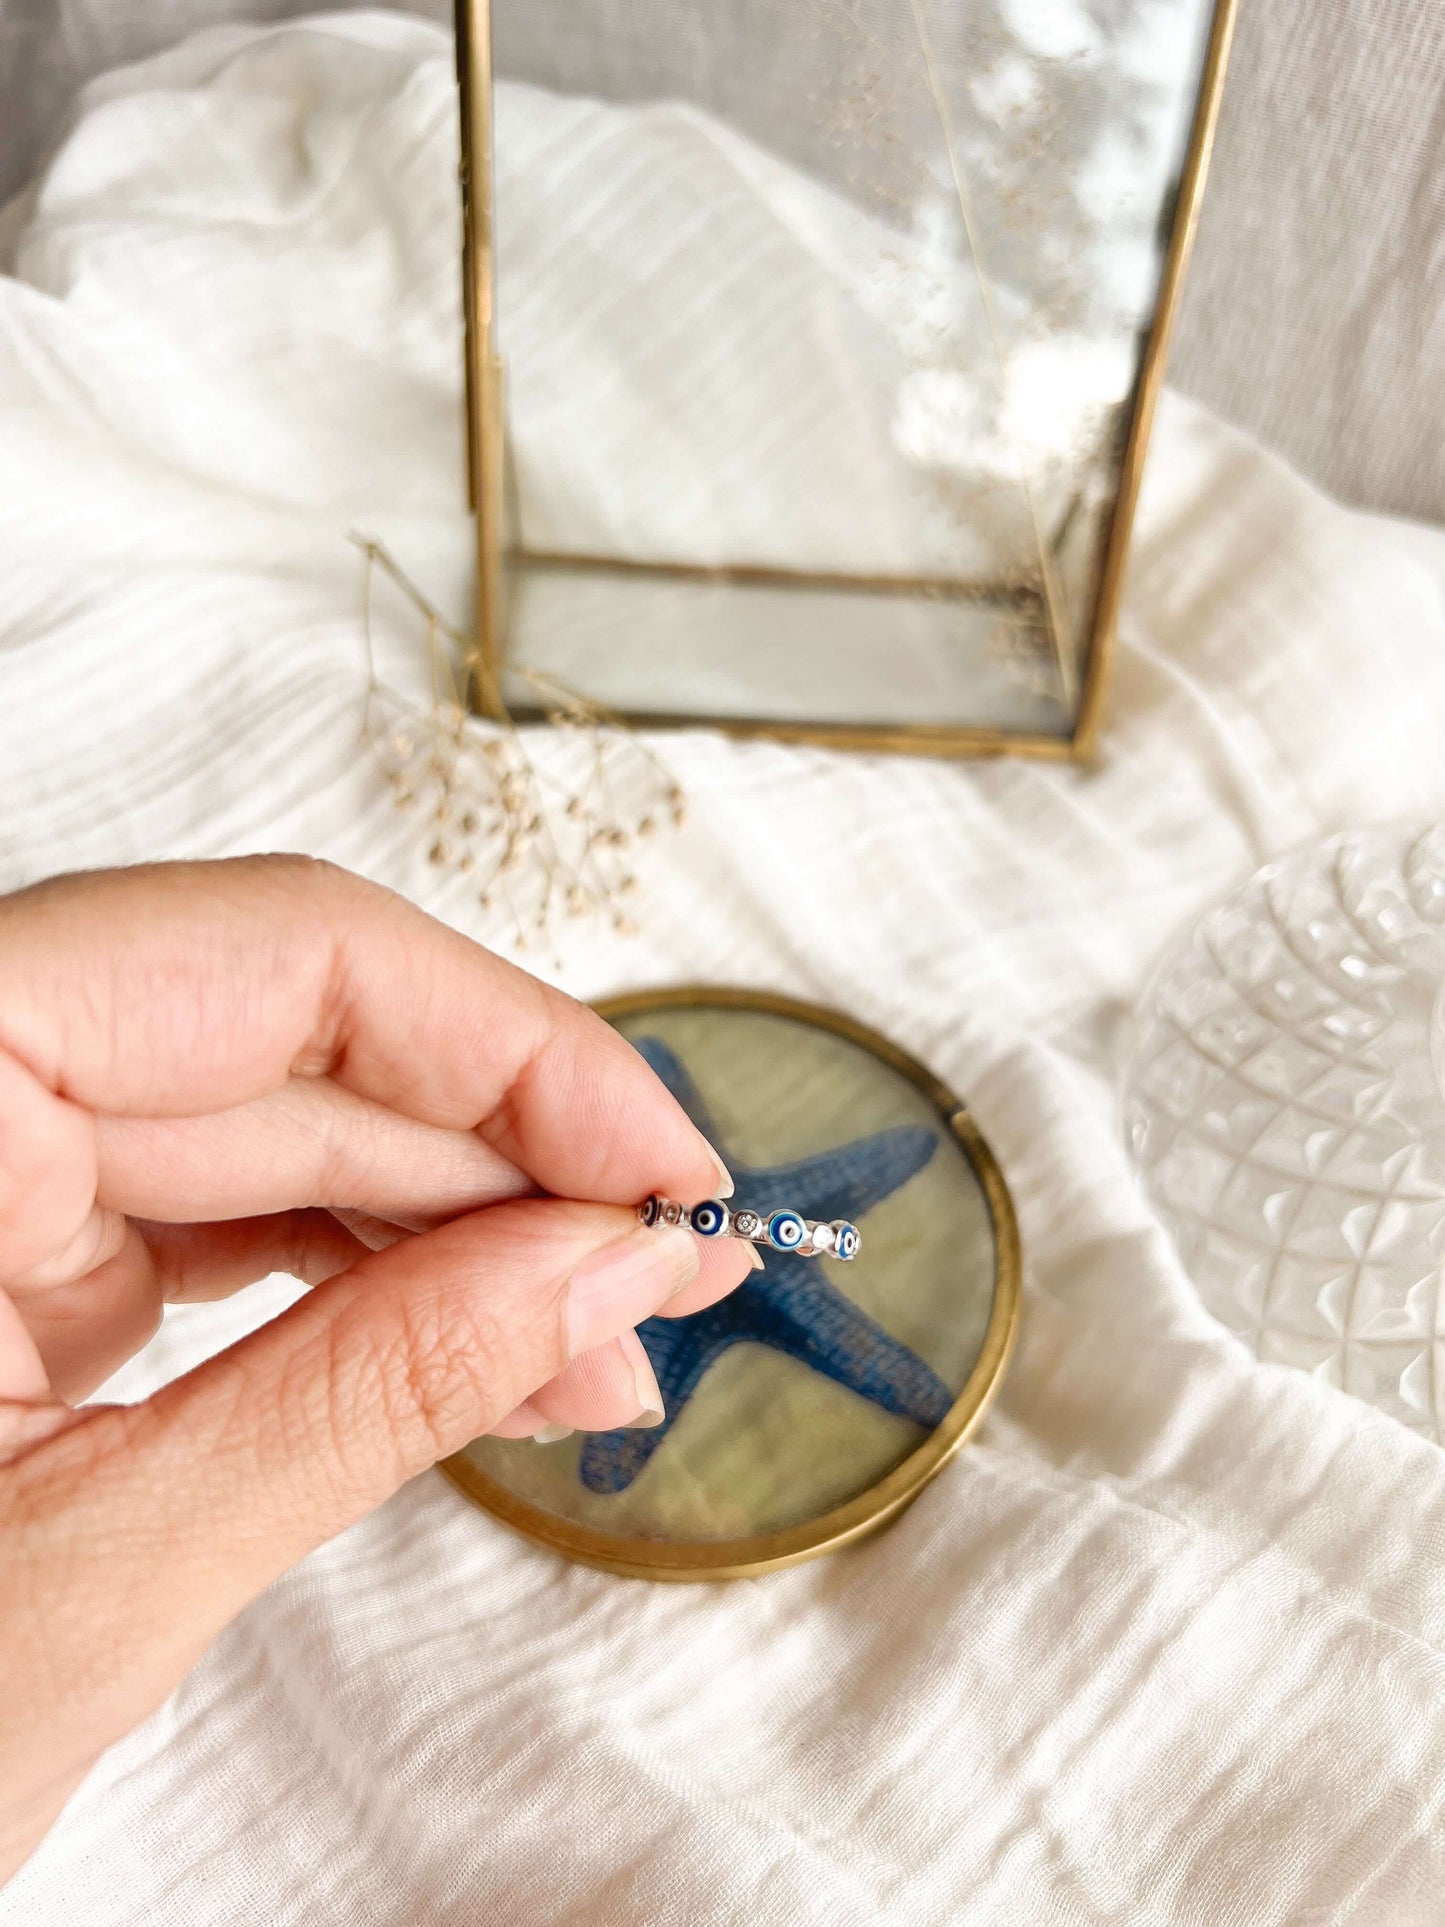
x,y
780,1230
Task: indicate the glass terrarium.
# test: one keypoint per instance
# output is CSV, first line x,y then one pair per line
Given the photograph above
x,y
812,343
813,347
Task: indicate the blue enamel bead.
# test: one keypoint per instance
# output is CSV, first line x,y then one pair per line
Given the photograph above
x,y
786,1230
710,1219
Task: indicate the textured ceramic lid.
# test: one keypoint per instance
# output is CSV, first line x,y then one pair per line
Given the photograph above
x,y
814,1402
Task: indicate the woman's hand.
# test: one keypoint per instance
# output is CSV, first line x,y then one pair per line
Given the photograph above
x,y
209,1072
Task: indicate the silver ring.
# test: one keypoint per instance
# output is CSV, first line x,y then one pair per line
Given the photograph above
x,y
779,1230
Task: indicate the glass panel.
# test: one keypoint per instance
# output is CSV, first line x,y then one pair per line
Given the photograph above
x,y
840,289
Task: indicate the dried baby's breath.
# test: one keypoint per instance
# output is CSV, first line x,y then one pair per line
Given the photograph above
x,y
536,843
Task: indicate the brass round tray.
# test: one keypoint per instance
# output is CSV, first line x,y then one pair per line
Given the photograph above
x,y
773,1440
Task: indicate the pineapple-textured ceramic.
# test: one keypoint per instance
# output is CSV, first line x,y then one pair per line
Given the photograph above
x,y
1284,1095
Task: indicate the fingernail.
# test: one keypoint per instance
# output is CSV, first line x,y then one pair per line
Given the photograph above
x,y
549,1434
649,1394
623,1283
724,1186
755,1258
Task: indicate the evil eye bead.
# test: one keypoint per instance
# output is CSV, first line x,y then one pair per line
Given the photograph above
x,y
845,1239
710,1219
650,1211
787,1231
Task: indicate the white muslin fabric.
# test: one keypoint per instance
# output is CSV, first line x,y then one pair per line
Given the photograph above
x,y
1164,1645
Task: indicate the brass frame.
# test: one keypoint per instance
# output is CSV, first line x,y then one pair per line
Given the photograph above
x,y
870,1510
486,452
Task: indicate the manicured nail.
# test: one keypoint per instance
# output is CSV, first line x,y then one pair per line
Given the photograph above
x,y
644,1379
724,1186
617,1287
755,1258
549,1434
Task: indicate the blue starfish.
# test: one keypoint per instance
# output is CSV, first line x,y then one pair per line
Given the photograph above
x,y
790,1306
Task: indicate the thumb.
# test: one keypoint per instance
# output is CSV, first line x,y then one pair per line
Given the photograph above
x,y
302,1428
184,1508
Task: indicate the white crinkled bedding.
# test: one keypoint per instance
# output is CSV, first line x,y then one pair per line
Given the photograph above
x,y
1164,1644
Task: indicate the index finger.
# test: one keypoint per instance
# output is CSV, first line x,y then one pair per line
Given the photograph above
x,y
178,989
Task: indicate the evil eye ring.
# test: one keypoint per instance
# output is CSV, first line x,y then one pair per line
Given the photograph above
x,y
782,1230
